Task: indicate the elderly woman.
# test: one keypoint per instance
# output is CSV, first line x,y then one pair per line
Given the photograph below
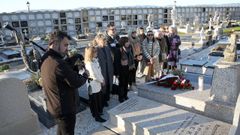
x,y
159,35
151,50
174,51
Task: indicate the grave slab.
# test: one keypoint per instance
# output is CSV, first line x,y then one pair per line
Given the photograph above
x,y
16,115
140,116
191,100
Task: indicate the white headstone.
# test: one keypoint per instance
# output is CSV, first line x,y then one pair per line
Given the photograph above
x,y
173,15
16,115
25,32
123,25
210,24
188,28
202,35
1,36
150,21
215,17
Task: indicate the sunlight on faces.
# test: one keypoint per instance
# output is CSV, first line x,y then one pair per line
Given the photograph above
x,y
63,48
141,31
101,41
111,31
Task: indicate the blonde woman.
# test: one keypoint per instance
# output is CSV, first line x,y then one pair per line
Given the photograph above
x,y
95,95
106,63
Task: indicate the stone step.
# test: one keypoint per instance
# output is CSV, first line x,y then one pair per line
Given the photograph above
x,y
191,100
141,116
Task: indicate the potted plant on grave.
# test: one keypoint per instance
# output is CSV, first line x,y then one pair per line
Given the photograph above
x,y
34,82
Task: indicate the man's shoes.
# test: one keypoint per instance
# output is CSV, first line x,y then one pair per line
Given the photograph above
x,y
99,119
126,98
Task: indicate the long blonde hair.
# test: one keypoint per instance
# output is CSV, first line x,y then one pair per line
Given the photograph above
x,y
89,53
98,37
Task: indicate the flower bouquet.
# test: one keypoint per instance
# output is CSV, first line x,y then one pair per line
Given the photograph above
x,y
174,82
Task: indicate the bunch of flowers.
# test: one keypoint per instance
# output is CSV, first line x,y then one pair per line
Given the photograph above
x,y
174,82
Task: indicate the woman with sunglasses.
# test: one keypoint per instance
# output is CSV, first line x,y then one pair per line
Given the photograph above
x,y
151,50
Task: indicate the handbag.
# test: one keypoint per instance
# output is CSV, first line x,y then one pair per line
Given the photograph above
x,y
115,86
89,88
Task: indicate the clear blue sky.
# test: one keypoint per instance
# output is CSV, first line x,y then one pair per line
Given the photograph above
x,y
13,5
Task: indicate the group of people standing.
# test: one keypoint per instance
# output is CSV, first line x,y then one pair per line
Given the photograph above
x,y
107,57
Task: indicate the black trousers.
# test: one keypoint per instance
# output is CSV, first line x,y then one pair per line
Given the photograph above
x,y
132,74
106,93
123,82
66,125
95,104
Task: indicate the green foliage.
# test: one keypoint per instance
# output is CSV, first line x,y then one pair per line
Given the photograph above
x,y
177,72
230,30
4,67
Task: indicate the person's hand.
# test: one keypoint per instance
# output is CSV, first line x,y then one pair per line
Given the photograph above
x,y
103,83
124,62
87,72
152,60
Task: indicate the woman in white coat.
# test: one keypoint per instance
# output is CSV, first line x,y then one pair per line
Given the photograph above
x,y
96,83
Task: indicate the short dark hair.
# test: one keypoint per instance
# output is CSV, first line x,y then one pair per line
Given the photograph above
x,y
58,36
123,41
110,25
141,28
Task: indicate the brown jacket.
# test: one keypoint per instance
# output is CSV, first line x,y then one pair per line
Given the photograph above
x,y
59,84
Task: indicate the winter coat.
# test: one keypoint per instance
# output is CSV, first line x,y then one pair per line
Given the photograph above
x,y
112,43
59,84
95,74
106,64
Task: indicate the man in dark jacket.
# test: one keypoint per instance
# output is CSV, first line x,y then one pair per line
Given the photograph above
x,y
112,43
59,83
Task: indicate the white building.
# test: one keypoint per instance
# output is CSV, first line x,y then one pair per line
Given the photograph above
x,y
87,19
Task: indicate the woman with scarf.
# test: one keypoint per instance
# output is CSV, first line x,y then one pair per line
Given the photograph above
x,y
151,50
127,64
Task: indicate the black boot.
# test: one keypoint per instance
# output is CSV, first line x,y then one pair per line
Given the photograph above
x,y
99,119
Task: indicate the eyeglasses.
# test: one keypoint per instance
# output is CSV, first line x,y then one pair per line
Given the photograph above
x,y
112,29
149,34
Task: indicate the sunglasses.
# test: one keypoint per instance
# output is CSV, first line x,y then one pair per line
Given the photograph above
x,y
149,34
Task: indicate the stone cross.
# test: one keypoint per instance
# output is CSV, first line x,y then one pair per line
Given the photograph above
x,y
122,25
188,28
196,23
230,53
215,16
202,35
25,32
180,21
218,20
173,14
1,36
210,24
150,20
